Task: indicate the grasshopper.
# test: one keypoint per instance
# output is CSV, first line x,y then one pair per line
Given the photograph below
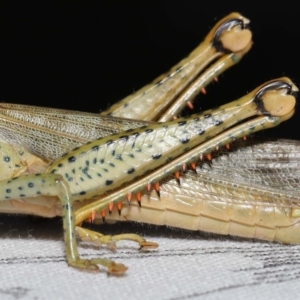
x,y
131,155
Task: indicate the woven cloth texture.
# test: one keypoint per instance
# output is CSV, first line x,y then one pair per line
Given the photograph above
x,y
187,265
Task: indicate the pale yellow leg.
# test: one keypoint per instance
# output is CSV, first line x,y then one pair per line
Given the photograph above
x,y
98,238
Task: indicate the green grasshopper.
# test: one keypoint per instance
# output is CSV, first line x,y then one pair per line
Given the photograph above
x,y
123,157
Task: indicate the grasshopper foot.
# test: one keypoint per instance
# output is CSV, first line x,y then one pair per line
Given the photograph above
x,y
148,245
92,265
112,267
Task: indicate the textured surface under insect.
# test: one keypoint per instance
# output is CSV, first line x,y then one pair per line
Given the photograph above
x,y
207,266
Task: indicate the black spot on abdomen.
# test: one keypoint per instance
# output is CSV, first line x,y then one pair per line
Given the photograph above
x,y
130,171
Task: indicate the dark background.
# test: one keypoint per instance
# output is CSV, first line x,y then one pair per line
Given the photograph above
x,y
88,56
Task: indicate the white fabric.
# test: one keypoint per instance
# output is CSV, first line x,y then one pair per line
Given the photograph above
x,y
187,265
